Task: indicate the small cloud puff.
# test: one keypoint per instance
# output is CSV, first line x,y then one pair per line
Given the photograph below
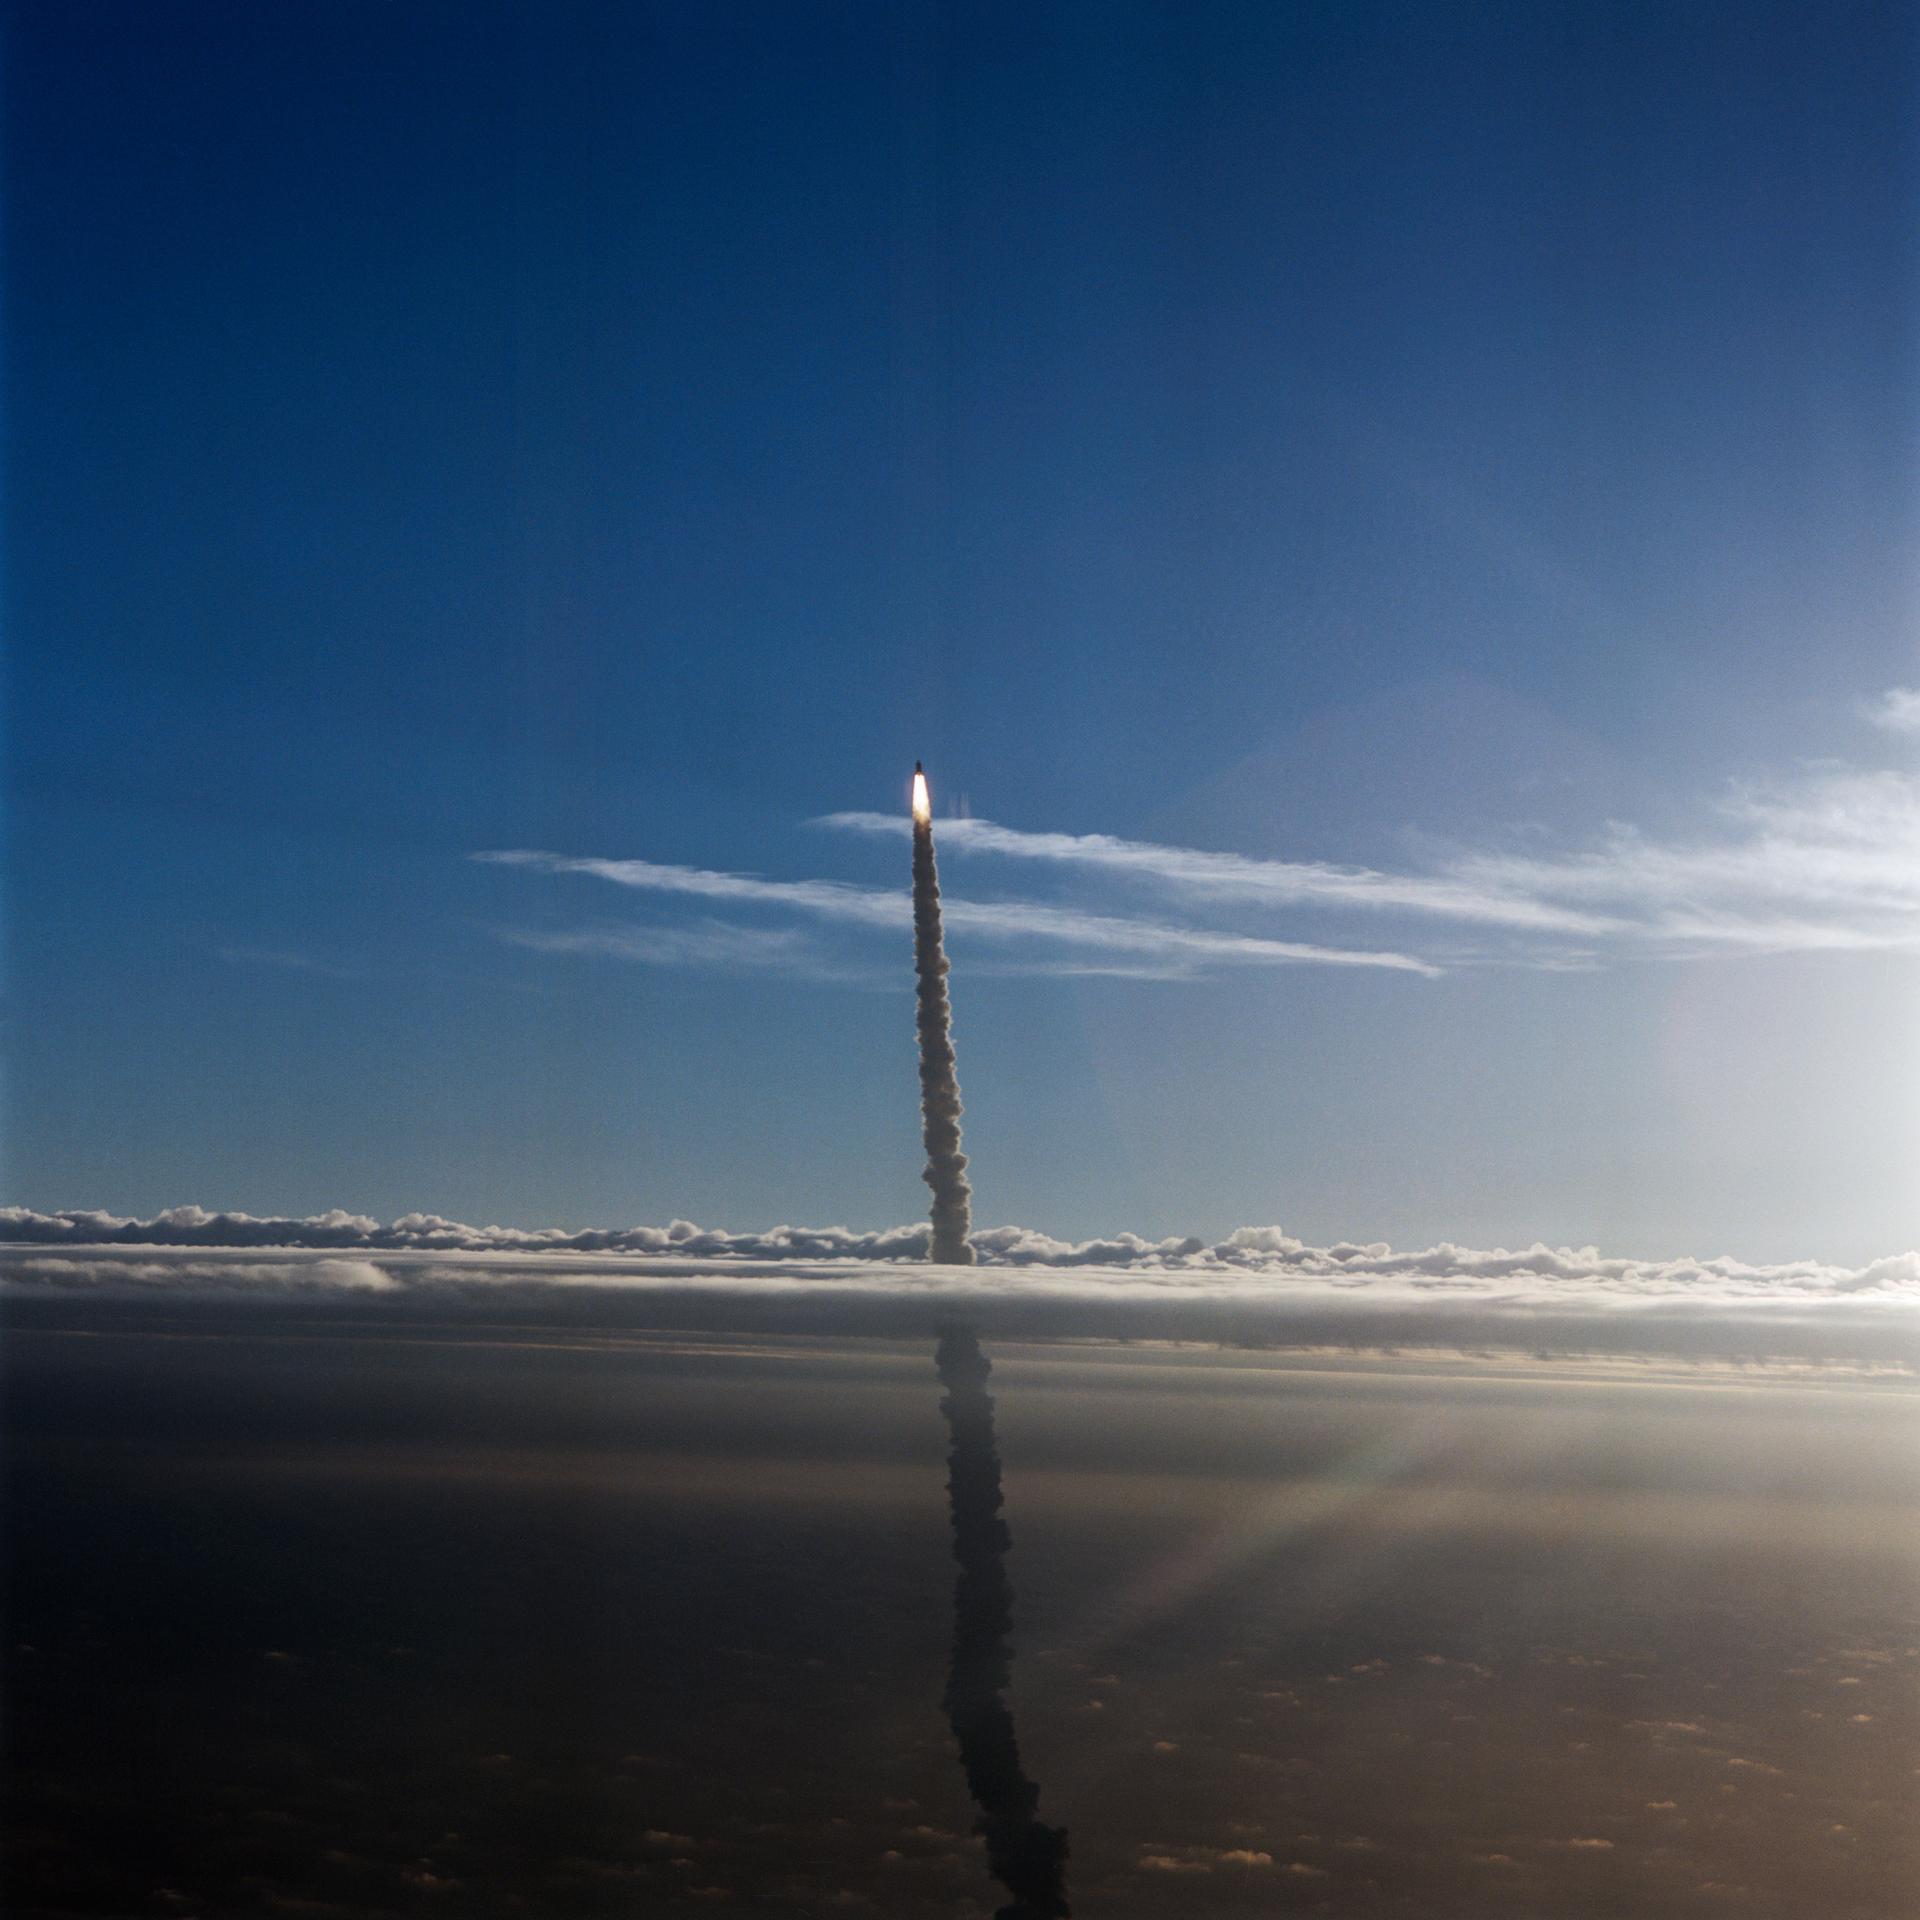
x,y
1205,1860
1897,710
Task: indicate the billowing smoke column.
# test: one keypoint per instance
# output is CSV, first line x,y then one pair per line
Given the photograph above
x,y
946,1171
1026,1856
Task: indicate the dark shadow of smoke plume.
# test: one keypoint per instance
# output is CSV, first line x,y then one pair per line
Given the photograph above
x,y
1027,1857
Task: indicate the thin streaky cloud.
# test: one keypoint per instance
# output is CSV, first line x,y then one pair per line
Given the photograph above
x,y
1241,877
1001,920
1082,970
1825,861
707,943
755,949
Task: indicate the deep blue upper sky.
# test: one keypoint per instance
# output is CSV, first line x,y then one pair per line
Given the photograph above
x,y
1321,432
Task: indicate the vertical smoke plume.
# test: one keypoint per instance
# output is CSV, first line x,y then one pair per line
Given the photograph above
x,y
946,1171
1026,1856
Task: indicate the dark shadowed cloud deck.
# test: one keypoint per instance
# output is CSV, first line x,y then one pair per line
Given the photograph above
x,y
340,1618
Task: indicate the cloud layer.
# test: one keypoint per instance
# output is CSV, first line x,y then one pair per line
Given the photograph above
x,y
1823,858
1156,946
1897,710
1258,1284
1237,877
1827,860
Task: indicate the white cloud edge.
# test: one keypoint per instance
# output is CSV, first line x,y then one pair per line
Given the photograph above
x,y
1226,877
1897,710
1823,860
1818,859
1270,1251
1257,1283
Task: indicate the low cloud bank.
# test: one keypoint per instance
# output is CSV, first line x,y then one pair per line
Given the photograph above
x,y
1259,1285
1268,1251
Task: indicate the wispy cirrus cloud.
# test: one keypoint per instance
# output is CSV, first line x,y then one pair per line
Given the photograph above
x,y
1170,950
1825,860
1816,859
1241,877
1828,861
706,943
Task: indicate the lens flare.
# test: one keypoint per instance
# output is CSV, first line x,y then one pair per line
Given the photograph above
x,y
922,800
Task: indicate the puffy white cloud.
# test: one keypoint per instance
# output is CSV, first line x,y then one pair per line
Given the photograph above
x,y
1897,710
1206,1859
1259,1285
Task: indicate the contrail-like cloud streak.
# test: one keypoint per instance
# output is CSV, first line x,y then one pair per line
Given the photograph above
x,y
946,1170
1233,877
1823,860
1026,1856
1166,946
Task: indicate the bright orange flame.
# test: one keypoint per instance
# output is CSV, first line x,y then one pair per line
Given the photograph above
x,y
922,800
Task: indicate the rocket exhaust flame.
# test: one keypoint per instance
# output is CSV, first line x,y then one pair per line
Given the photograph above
x,y
1026,1856
946,1169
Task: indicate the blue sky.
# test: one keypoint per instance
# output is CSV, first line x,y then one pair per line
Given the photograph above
x,y
1469,444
